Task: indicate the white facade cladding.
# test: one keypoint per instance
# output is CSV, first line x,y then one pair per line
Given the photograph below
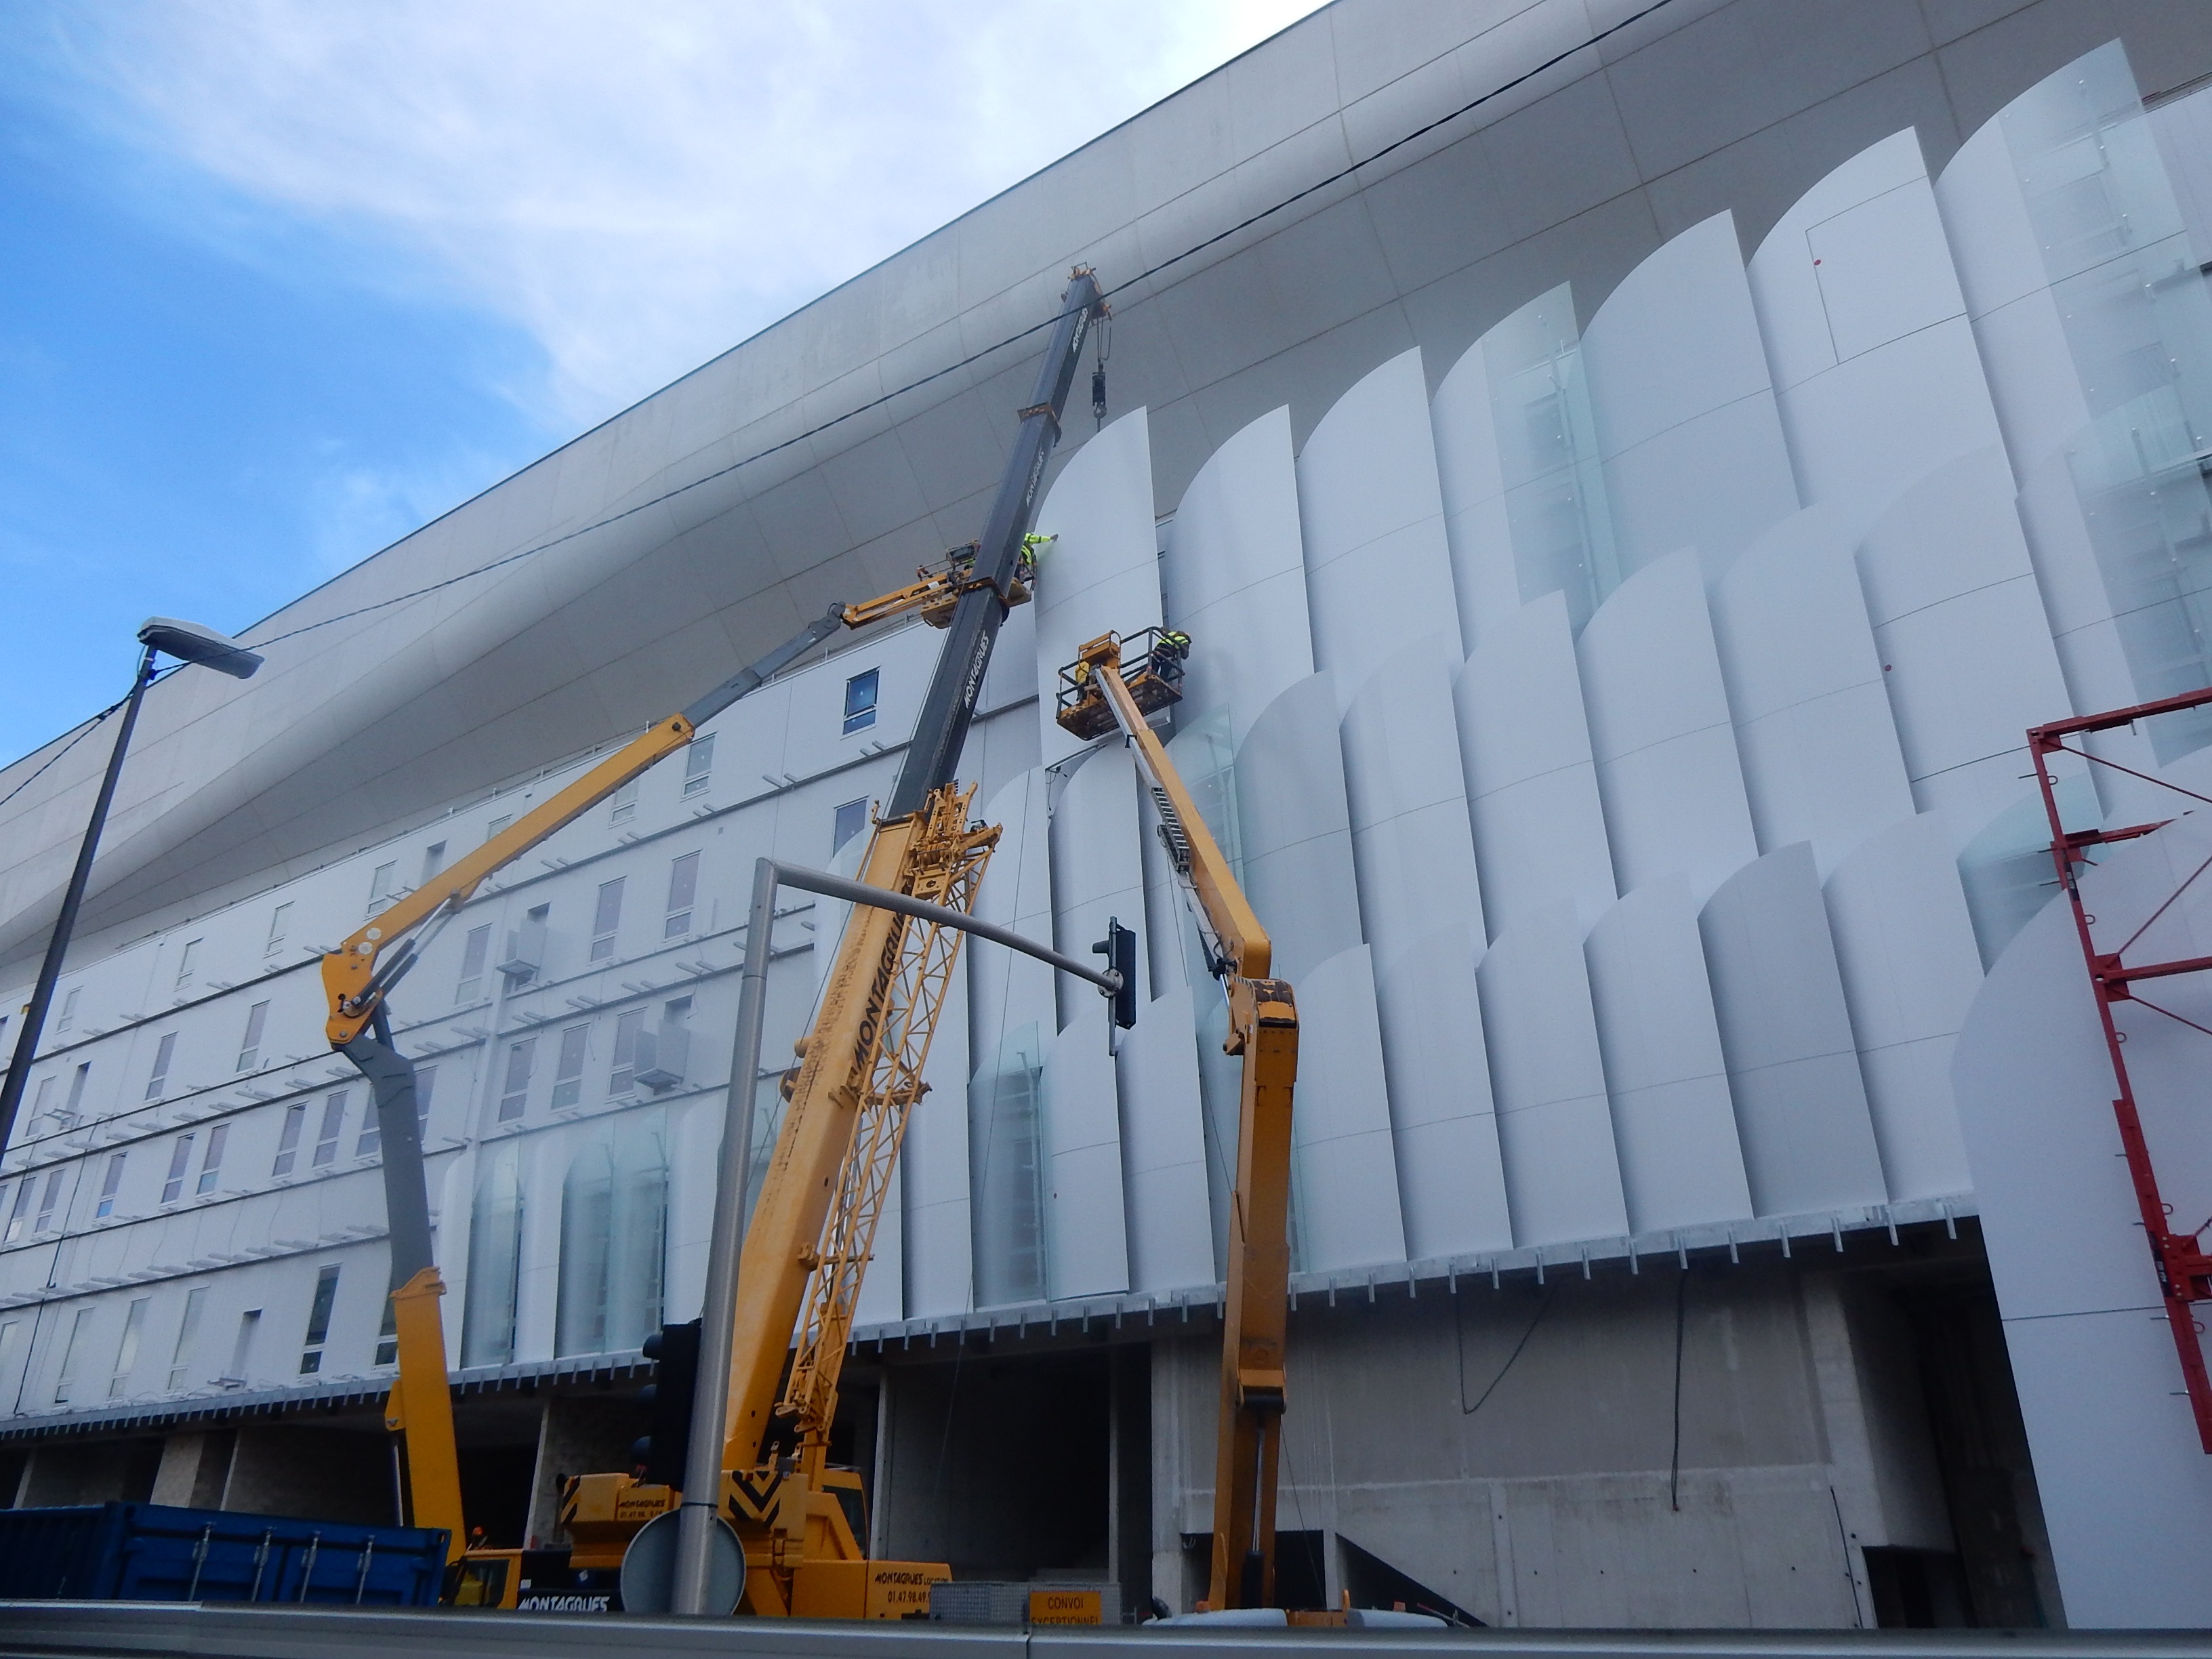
x,y
1616,717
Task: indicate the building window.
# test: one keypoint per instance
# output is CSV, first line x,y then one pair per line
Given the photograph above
x,y
47,1201
68,1009
21,1212
164,1052
474,955
65,1381
614,1231
569,1074
861,701
319,1320
188,964
494,1261
372,1127
288,1139
514,1094
249,1047
682,892
698,766
42,1100
77,1081
242,1351
433,860
126,1350
211,1163
497,827
110,1184
606,919
180,1160
622,806
333,1125
180,1357
280,919
852,818
379,886
387,1336
627,1026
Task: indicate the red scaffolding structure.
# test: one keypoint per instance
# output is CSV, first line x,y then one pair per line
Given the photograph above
x,y
2184,1267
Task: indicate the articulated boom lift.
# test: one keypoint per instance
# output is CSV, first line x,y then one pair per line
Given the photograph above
x,y
859,1074
1110,687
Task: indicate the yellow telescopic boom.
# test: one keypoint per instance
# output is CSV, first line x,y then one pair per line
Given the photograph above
x,y
1106,691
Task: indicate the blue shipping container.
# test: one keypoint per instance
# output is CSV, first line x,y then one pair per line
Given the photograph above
x,y
152,1552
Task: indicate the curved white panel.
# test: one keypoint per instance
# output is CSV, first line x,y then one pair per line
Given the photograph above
x,y
1673,1118
1875,364
1097,871
2126,1491
1374,525
1235,580
883,1290
1004,988
1818,746
1963,639
1103,571
1554,1126
1472,485
1347,1206
1531,786
1661,733
1793,1068
1086,1236
1910,968
1685,411
933,1173
1451,1173
2097,337
1163,1148
1296,828
1407,800
1011,1021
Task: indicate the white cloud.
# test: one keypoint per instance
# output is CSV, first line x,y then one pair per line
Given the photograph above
x,y
639,187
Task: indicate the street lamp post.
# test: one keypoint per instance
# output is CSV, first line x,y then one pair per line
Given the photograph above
x,y
188,642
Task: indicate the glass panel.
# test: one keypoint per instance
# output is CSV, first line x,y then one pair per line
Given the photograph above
x,y
288,1138
126,1350
180,1157
568,1073
249,1048
605,918
211,1165
109,1184
180,1357
159,1079
514,1094
495,1261
861,701
333,1126
852,818
1005,1173
698,765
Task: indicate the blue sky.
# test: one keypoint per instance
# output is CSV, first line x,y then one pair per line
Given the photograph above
x,y
282,279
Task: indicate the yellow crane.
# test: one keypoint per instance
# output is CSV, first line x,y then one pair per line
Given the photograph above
x,y
1115,685
859,1076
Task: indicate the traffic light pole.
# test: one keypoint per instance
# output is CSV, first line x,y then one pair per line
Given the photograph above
x,y
718,1317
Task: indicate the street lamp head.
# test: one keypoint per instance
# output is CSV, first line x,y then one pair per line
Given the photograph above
x,y
193,643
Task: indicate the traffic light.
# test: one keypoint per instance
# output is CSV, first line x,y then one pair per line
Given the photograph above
x,y
1119,947
674,1351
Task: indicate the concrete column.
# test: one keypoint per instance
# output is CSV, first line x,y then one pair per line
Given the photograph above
x,y
195,1467
577,1434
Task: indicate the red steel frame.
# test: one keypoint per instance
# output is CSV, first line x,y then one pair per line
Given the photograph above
x,y
2184,1269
